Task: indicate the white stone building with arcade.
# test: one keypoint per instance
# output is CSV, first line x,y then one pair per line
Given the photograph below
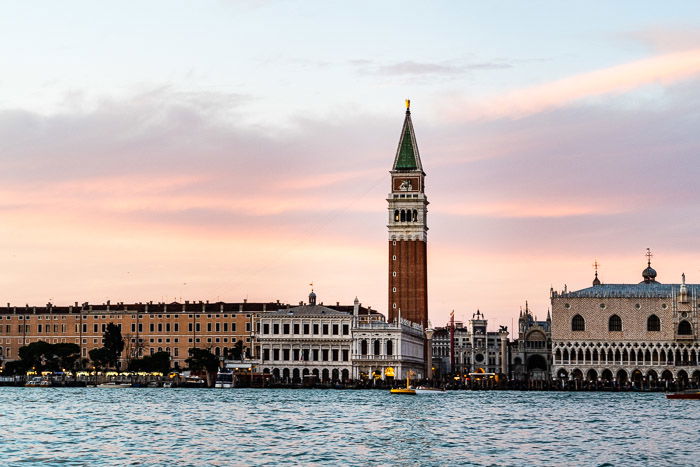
x,y
644,334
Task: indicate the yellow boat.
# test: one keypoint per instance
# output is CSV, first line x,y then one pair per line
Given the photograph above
x,y
407,389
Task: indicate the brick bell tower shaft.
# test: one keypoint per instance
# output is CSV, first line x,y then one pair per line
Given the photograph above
x,y
408,231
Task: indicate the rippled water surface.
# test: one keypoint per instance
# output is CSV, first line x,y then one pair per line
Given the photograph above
x,y
87,426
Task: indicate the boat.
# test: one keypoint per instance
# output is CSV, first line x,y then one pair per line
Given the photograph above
x,y
38,382
168,384
114,385
224,380
690,394
407,390
429,390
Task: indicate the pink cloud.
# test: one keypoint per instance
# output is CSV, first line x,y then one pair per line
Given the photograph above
x,y
662,69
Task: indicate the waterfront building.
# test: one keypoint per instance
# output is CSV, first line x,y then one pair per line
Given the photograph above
x,y
531,352
473,349
312,342
643,333
304,341
388,350
146,327
408,231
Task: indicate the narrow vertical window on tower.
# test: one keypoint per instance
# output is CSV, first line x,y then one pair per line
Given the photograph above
x,y
408,231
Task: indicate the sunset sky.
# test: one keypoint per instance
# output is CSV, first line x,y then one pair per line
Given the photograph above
x,y
223,150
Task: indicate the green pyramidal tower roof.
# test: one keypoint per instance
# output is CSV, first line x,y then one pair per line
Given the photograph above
x,y
407,156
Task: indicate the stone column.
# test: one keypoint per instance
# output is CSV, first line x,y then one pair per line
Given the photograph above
x,y
429,364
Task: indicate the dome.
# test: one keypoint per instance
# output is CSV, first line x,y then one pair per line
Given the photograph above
x,y
649,274
312,298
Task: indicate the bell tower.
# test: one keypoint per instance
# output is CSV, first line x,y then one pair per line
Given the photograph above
x,y
408,231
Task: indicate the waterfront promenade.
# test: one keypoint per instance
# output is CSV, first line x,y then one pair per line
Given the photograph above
x,y
269,426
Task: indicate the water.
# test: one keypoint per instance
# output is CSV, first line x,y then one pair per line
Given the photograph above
x,y
88,426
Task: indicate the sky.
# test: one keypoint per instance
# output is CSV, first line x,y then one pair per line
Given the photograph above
x,y
222,150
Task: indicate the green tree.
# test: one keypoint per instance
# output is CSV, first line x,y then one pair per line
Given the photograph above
x,y
100,358
15,367
66,355
237,351
159,361
42,356
202,360
113,343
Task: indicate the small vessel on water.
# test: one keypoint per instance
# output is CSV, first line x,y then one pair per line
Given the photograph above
x,y
224,380
429,390
407,390
114,385
689,394
38,382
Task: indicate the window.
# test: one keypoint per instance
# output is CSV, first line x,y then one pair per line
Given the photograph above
x,y
578,323
38,327
336,354
306,328
325,355
615,324
346,355
389,347
684,328
266,329
218,327
160,327
315,328
176,327
233,327
225,327
285,328
247,327
296,328
133,327
295,354
208,327
346,329
335,329
363,347
315,355
653,323
325,329
285,354
266,354
377,347
275,354
152,327
275,329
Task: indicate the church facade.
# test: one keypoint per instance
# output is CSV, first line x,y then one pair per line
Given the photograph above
x,y
643,334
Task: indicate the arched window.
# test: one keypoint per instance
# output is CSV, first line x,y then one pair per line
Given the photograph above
x,y
363,347
653,323
684,328
415,216
615,323
578,323
403,215
389,347
377,347
396,215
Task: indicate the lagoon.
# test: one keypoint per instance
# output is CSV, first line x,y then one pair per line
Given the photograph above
x,y
157,426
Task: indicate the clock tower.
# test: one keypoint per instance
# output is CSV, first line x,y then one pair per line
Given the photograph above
x,y
408,231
